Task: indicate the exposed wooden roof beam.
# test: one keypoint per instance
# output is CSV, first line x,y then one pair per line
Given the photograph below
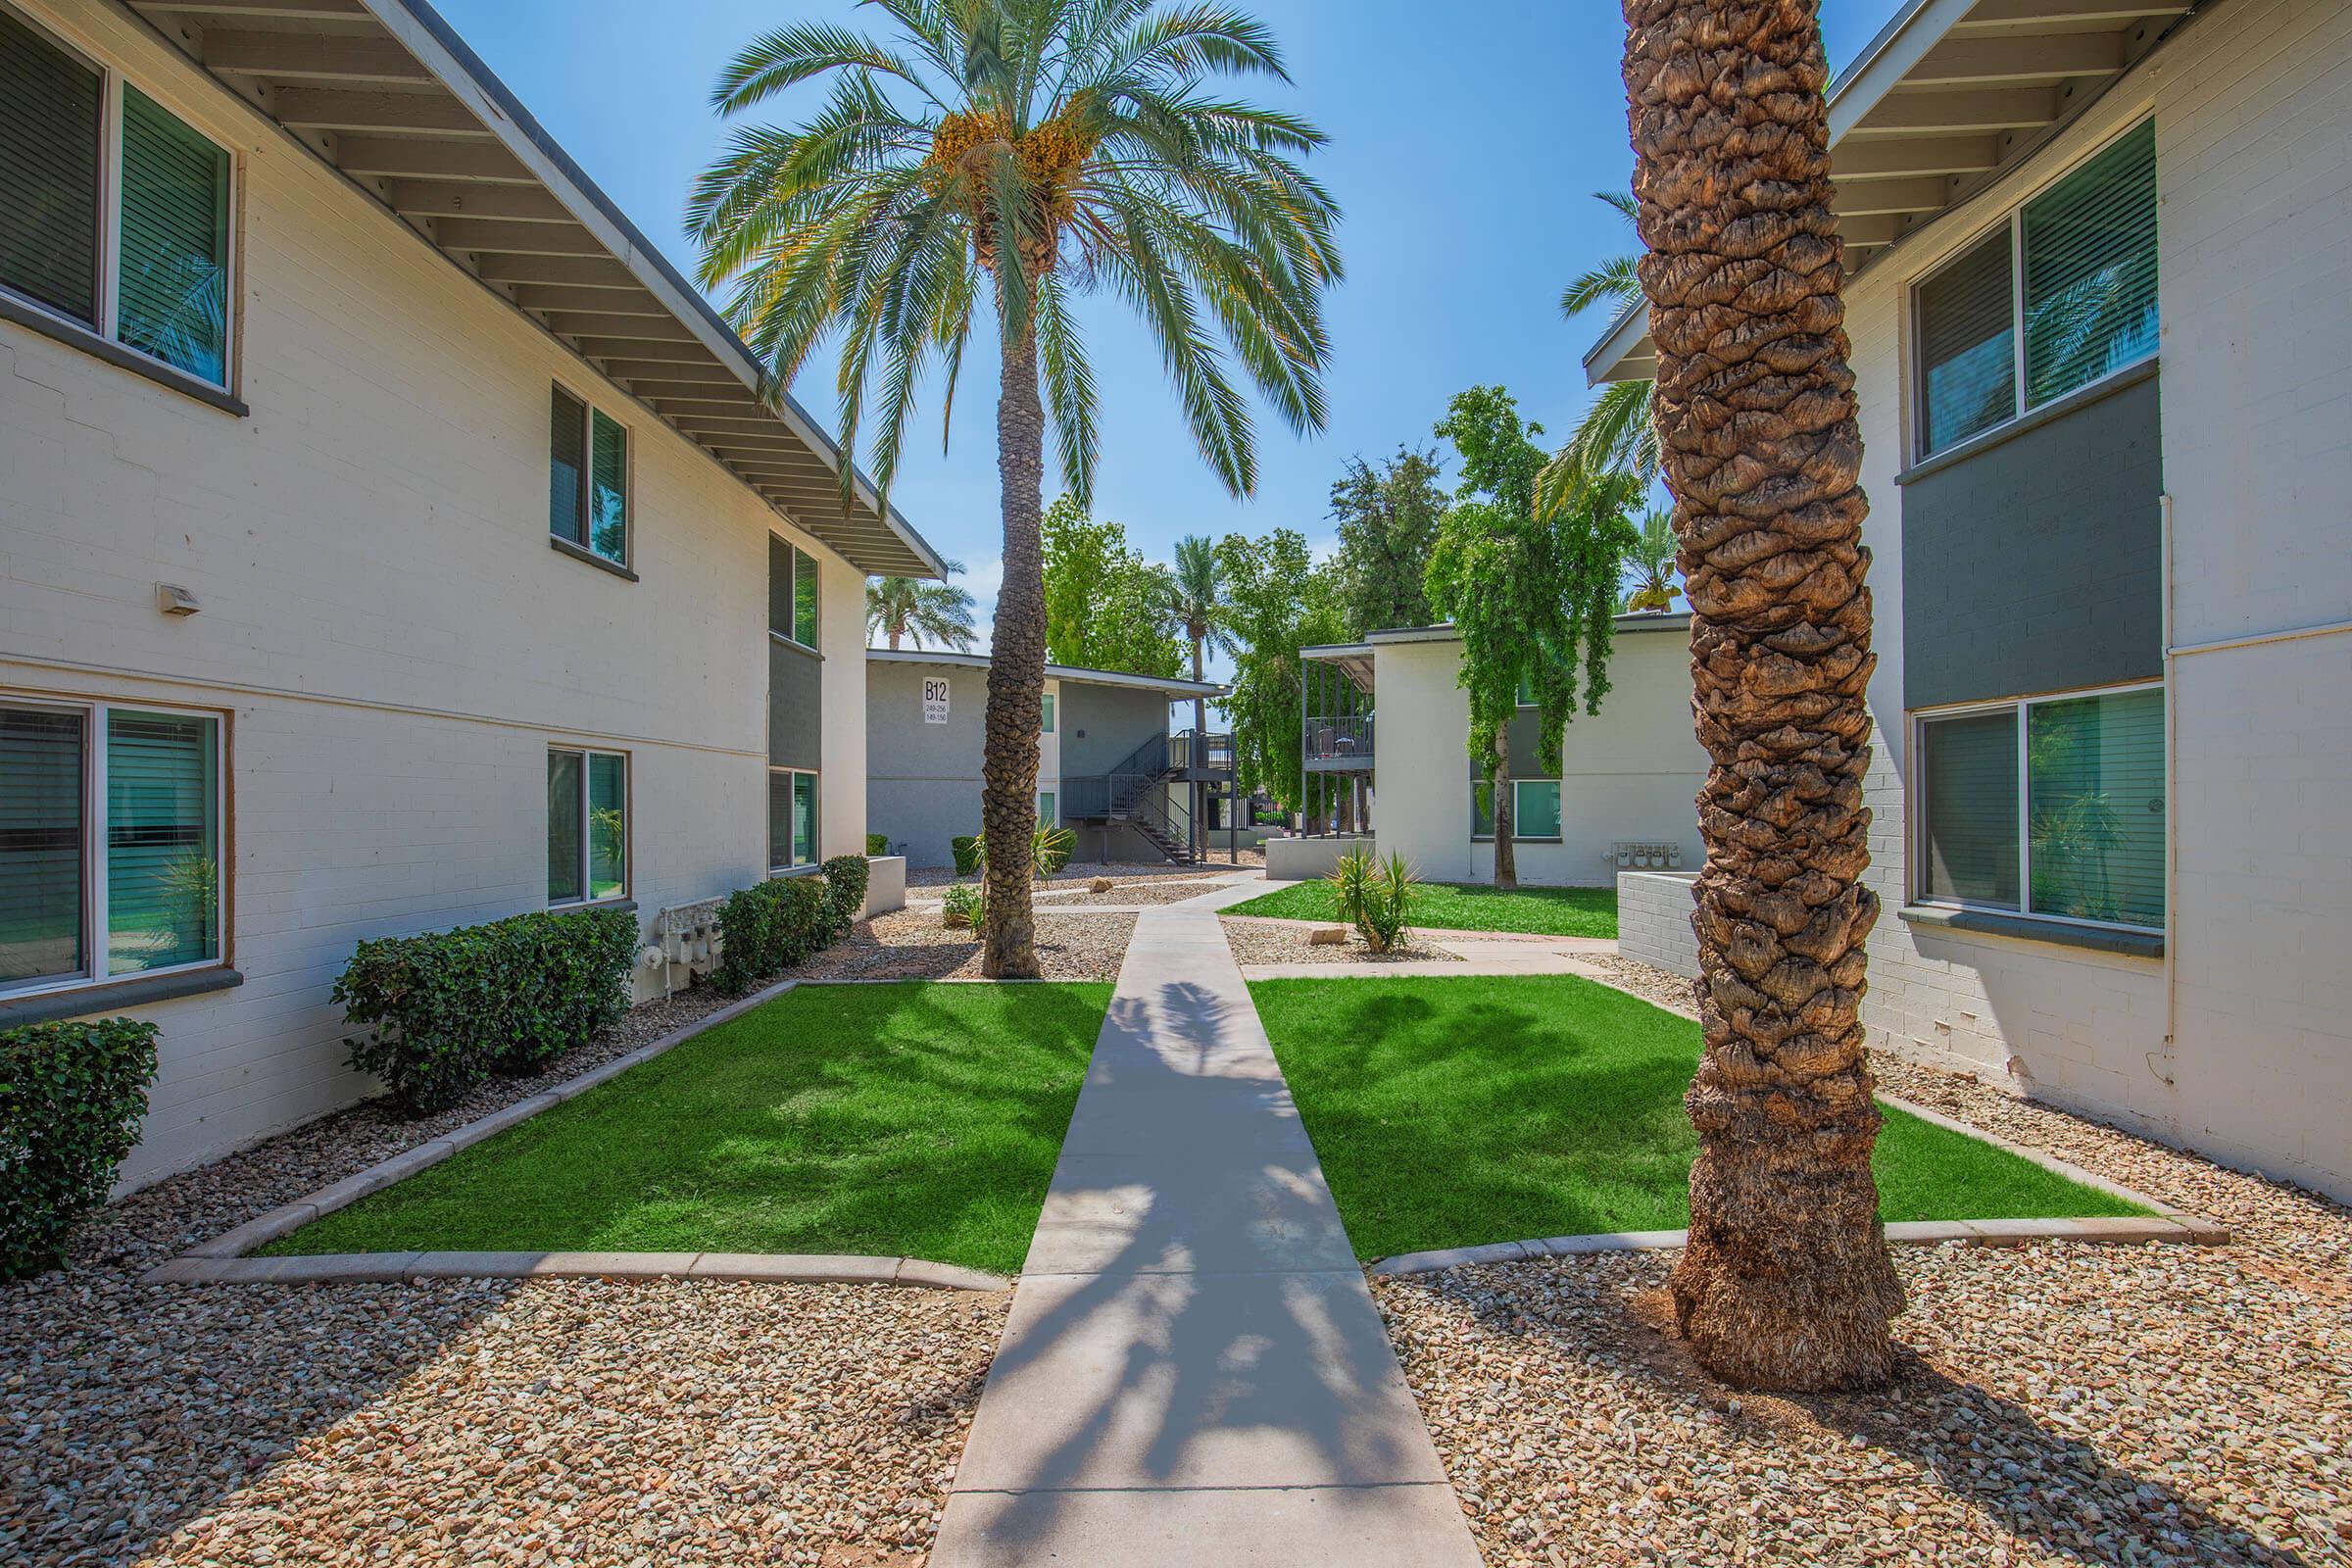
x,y
426,158
1990,13
604,301
407,113
490,234
1922,195
1995,109
310,56
427,198
613,324
250,10
1876,230
1908,155
641,352
654,388
572,271
703,371
1963,62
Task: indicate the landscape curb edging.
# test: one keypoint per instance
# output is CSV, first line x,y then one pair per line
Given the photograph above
x,y
2174,1228
222,1260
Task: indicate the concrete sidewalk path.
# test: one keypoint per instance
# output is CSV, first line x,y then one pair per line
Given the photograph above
x,y
1192,1371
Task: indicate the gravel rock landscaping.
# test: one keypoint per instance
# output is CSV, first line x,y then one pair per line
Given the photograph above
x,y
934,876
1063,895
911,945
1255,941
2059,1403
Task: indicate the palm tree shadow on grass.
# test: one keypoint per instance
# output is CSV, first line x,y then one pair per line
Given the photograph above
x,y
1287,1357
2042,1516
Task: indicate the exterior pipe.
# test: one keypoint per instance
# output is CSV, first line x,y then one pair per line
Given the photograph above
x,y
2171,805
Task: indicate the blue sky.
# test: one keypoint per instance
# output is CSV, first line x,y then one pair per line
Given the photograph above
x,y
1465,139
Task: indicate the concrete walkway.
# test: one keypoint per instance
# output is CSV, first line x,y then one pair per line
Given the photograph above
x,y
1192,1371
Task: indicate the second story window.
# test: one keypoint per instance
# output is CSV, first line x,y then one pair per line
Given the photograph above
x,y
1046,718
114,213
587,478
2059,296
792,591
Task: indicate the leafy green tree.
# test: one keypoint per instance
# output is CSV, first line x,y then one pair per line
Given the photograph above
x,y
1388,521
1531,595
1006,156
1278,601
897,608
1106,608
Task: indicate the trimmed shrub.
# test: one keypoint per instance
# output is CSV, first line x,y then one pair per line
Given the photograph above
x,y
769,928
845,892
447,1008
967,853
877,844
70,1099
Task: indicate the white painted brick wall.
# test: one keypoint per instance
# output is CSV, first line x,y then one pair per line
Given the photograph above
x,y
2253,106
392,640
1653,920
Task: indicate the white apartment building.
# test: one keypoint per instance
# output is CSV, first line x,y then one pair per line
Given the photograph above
x,y
390,539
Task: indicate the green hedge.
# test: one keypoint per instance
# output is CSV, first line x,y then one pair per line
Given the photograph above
x,y
877,844
447,1008
967,853
769,927
70,1099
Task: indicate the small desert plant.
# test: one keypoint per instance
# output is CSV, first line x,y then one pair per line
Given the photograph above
x,y
1050,850
962,907
1376,896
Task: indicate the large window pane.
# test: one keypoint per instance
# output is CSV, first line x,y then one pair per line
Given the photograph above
x,y
804,598
2095,827
1537,809
1970,838
564,827
50,109
2091,270
609,490
804,819
779,586
40,841
1966,347
163,869
1482,810
608,825
566,467
1045,724
174,274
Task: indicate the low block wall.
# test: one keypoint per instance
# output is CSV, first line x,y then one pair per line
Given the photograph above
x,y
885,884
1304,859
1653,919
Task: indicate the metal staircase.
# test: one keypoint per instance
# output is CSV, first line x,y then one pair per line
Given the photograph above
x,y
1132,794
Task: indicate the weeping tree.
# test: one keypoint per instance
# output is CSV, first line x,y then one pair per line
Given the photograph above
x,y
1009,155
1278,601
1530,590
1785,1283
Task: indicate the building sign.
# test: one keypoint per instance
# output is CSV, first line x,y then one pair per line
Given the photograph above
x,y
935,699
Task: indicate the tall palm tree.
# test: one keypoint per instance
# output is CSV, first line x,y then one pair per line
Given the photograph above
x,y
1196,595
1021,153
910,607
1617,432
1785,1283
1651,560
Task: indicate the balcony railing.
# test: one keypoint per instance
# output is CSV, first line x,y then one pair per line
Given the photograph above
x,y
1339,740
1215,751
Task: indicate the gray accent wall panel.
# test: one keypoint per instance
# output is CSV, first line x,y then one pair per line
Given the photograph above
x,y
2034,566
794,711
1117,720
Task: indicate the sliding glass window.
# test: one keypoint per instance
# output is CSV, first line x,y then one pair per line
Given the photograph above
x,y
114,212
2053,807
587,826
2061,295
791,818
110,841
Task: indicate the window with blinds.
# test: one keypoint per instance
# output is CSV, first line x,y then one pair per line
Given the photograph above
x,y
804,598
2084,840
164,289
173,294
52,109
567,467
608,488
1993,344
791,818
110,842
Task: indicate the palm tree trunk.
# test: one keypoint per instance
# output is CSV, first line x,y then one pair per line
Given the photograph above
x,y
1785,1283
894,639
1506,815
1016,672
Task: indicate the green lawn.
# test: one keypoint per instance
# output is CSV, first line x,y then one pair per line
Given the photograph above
x,y
1465,907
1455,1112
917,1119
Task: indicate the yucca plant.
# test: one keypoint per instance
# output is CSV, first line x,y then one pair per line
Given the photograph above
x,y
1050,850
1376,896
1007,157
